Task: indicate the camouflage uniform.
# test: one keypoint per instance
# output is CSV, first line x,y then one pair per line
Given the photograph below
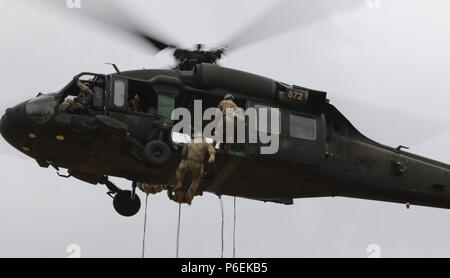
x,y
69,105
85,96
83,101
193,155
135,104
148,188
228,103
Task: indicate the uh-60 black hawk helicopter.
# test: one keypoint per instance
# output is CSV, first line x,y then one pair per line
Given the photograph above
x,y
320,154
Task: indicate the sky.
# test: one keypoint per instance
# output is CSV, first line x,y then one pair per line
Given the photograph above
x,y
386,68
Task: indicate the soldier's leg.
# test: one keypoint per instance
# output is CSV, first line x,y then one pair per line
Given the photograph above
x,y
75,106
197,174
229,135
218,134
180,196
223,128
181,173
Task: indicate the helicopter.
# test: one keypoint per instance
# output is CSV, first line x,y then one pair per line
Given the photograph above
x,y
320,154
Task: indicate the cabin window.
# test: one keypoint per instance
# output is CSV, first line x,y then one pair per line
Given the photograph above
x,y
303,127
268,111
165,106
119,92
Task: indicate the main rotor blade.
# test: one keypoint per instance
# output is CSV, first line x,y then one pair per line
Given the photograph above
x,y
108,13
290,14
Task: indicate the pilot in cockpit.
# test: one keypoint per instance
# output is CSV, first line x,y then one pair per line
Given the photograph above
x,y
81,103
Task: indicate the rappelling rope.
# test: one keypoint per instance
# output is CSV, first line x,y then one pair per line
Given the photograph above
x,y
221,209
234,228
178,229
145,225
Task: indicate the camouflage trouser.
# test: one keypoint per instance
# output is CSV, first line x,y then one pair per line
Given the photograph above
x,y
227,135
196,170
69,105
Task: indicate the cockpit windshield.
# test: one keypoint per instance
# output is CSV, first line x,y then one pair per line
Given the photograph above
x,y
41,108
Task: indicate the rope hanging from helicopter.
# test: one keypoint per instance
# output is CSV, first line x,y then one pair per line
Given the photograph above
x,y
178,230
145,225
222,226
234,227
179,227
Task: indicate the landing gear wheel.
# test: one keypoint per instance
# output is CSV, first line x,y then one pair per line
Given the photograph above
x,y
125,205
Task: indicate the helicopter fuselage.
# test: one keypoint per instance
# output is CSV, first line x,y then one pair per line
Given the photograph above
x,y
320,153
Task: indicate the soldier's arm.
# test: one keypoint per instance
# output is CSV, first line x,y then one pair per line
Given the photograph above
x,y
212,153
84,89
220,106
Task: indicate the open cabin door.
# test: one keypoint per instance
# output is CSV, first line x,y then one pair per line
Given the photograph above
x,y
136,104
301,136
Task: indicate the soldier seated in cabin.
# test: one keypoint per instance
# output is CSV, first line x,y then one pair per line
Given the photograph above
x,y
135,103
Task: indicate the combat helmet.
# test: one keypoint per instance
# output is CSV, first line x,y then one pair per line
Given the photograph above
x,y
229,96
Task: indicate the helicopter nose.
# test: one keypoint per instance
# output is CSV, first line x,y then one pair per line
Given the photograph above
x,y
11,123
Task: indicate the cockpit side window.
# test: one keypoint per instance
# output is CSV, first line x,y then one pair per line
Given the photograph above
x,y
119,92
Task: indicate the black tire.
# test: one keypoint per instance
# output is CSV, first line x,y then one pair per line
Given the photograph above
x,y
156,153
124,205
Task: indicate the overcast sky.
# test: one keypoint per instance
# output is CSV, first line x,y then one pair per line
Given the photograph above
x,y
387,69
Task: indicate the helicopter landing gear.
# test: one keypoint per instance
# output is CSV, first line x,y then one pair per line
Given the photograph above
x,y
125,202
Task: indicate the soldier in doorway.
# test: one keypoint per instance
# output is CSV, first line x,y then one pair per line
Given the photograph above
x,y
236,114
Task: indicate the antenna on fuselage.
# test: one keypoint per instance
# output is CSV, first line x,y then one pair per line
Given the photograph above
x,y
115,68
